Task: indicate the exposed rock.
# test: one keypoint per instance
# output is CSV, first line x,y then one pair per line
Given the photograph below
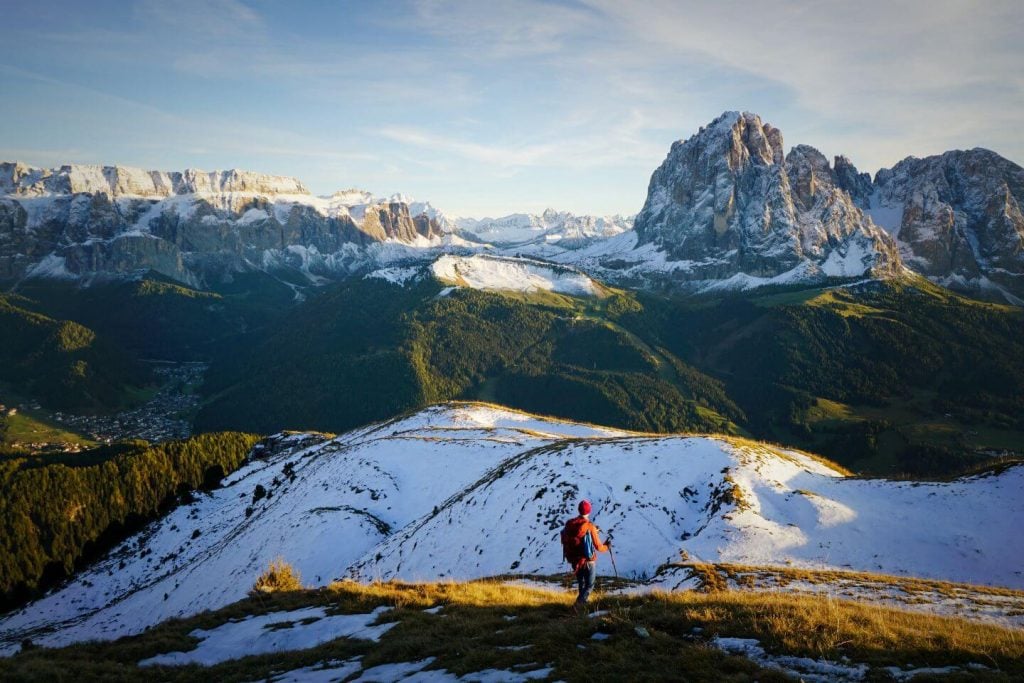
x,y
847,177
124,181
958,219
726,202
193,226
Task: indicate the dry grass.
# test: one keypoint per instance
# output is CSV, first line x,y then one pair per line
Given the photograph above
x,y
279,576
480,620
783,575
822,627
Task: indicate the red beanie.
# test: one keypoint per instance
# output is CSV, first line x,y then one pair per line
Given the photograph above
x,y
585,507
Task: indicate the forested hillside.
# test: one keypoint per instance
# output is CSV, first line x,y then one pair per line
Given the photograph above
x,y
894,377
63,363
154,317
58,511
337,362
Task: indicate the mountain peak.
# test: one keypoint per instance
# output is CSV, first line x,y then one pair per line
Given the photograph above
x,y
724,205
742,137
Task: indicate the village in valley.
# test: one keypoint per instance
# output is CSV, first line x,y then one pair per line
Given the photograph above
x,y
29,426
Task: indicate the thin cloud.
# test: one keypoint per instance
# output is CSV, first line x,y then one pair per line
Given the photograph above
x,y
209,18
525,155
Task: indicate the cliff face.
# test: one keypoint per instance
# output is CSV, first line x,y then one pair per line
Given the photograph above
x,y
123,181
728,202
193,226
958,219
727,209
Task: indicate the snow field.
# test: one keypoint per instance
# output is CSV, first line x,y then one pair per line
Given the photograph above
x,y
485,272
461,491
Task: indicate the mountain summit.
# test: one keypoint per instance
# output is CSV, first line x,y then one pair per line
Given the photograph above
x,y
728,202
957,218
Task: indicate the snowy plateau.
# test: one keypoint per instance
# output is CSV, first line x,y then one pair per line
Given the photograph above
x,y
466,490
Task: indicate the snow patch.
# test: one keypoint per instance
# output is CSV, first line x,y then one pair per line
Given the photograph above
x,y
805,668
521,275
396,275
52,266
324,672
274,632
856,260
253,216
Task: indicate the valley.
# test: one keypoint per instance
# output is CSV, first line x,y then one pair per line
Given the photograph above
x,y
165,414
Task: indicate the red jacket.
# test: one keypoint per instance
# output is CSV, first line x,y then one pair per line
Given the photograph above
x,y
575,529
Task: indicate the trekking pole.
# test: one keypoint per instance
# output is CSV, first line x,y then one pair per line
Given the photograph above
x,y
611,553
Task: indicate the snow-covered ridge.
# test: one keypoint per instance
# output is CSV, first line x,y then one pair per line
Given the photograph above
x,y
727,209
516,274
125,181
549,226
229,190
471,490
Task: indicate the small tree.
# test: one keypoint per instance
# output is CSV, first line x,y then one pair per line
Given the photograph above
x,y
279,576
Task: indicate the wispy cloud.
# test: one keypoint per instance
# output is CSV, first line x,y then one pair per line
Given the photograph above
x,y
218,19
569,103
525,155
897,69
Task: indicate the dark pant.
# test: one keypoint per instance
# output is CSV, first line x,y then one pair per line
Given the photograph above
x,y
585,580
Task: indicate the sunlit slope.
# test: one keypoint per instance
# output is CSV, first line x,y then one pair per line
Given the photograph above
x,y
467,490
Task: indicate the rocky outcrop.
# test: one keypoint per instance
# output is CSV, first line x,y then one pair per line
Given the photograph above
x,y
727,203
193,226
958,219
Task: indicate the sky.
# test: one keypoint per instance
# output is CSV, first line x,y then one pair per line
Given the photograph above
x,y
489,108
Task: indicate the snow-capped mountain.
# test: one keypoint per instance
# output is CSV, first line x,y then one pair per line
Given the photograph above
x,y
370,504
549,226
728,205
728,209
958,219
193,226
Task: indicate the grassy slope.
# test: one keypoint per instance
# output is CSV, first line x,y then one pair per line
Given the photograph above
x,y
469,635
59,510
26,428
340,361
902,377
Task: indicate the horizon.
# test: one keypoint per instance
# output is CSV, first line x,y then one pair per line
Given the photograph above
x,y
511,108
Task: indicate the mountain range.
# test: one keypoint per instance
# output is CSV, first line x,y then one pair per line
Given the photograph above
x,y
728,209
758,292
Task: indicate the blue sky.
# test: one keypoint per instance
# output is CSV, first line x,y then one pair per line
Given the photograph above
x,y
486,108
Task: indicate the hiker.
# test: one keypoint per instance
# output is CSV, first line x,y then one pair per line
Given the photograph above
x,y
580,546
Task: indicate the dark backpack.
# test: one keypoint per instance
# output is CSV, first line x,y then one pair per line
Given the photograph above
x,y
577,544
